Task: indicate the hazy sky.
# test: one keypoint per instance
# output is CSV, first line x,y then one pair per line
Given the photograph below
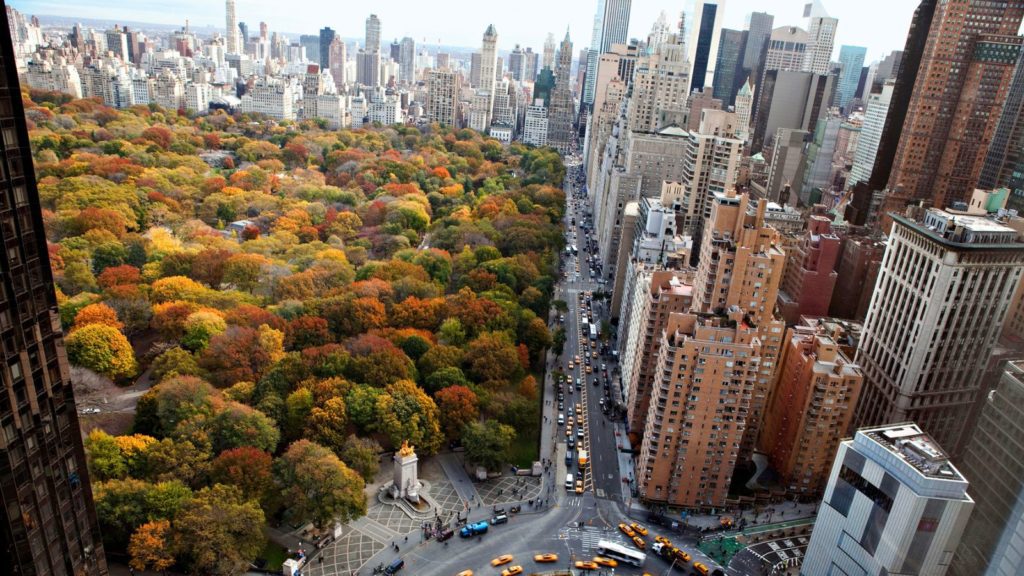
x,y
880,25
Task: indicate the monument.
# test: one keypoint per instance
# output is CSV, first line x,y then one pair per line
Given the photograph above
x,y
406,484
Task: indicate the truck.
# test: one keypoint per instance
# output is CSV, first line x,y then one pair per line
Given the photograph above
x,y
474,529
593,331
584,459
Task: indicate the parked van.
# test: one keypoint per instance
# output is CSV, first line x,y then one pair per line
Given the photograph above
x,y
569,482
396,565
499,519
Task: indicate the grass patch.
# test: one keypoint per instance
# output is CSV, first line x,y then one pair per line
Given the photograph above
x,y
524,449
275,556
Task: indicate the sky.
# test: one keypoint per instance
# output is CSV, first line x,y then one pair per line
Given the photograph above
x,y
879,25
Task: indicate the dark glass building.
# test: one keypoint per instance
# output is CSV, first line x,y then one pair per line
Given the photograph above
x,y
49,524
326,37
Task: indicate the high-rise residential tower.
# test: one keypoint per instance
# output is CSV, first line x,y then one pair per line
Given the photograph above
x,y
611,26
1004,162
50,524
372,34
852,60
407,60
894,504
231,28
704,40
937,310
875,112
956,101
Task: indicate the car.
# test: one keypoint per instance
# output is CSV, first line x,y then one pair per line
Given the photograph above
x,y
90,411
663,540
512,571
579,486
638,529
577,358
568,431
560,404
503,559
579,431
579,407
465,573
588,370
639,542
594,355
571,365
549,557
571,442
682,556
701,568
627,530
606,562
445,535
586,565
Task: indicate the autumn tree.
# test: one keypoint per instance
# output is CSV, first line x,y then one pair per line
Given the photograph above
x,y
237,355
98,313
458,407
406,413
362,455
487,443
248,468
316,486
149,547
219,531
173,401
492,357
102,349
177,459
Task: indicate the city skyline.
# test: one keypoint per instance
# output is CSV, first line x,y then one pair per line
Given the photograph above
x,y
399,19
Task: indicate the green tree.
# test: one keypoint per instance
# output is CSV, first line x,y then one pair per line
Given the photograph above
x,y
218,532
406,413
316,486
171,459
362,455
104,456
102,349
175,362
487,443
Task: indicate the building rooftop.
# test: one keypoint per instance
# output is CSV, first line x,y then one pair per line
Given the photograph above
x,y
962,231
914,457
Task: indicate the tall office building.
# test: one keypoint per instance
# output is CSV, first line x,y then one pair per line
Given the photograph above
x,y
407,61
530,68
993,463
789,99
562,112
339,59
787,48
811,405
231,28
875,112
759,32
821,37
515,63
938,307
1004,162
489,66
659,88
955,104
894,504
851,58
327,36
50,524
611,26
704,40
729,76
372,34
549,53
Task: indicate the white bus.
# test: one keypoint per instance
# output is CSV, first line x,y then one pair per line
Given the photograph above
x,y
621,553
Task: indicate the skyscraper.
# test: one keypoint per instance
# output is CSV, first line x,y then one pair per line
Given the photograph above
x,y
515,63
489,60
338,57
1004,163
992,463
372,34
443,87
955,104
548,60
729,75
875,112
407,60
326,37
759,31
50,524
937,310
561,133
821,36
810,273
894,505
787,46
611,26
231,27
704,40
852,60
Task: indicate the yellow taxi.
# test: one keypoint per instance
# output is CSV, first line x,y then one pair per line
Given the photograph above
x,y
465,573
639,542
571,365
579,486
607,562
579,408
627,530
663,540
700,568
588,370
639,529
585,565
680,555
577,359
503,559
568,431
512,571
549,557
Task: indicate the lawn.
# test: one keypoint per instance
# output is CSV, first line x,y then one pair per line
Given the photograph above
x,y
275,556
524,449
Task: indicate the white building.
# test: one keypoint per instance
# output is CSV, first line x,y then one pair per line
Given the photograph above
x,y
270,97
198,96
535,127
501,133
943,291
54,77
386,109
168,91
877,109
480,111
894,504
